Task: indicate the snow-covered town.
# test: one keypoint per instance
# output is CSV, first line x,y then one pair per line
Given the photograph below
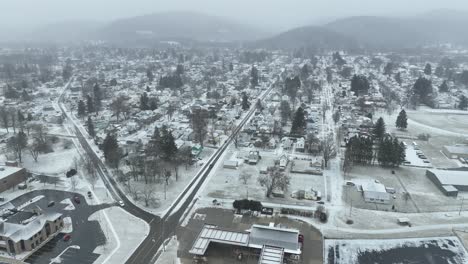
x,y
176,151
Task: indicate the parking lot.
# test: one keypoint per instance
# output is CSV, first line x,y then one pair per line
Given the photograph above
x,y
85,237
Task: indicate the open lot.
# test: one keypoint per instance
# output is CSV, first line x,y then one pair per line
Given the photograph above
x,y
424,195
225,182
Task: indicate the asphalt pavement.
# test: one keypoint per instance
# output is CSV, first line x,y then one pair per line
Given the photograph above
x,y
87,235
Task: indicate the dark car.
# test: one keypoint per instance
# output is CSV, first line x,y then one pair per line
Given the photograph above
x,y
89,194
50,204
77,199
66,237
267,210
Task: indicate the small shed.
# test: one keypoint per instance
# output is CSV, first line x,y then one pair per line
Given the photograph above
x,y
231,164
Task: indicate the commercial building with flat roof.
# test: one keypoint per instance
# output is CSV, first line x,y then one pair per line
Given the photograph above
x,y
450,182
272,242
11,176
455,152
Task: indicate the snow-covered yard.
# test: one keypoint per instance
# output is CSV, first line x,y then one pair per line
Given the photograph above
x,y
440,250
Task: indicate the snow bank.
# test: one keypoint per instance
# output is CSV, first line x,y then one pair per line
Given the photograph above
x,y
67,225
69,204
349,251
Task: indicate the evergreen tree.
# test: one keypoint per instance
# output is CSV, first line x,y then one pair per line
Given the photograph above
x,y
379,128
168,146
81,108
110,148
144,102
402,120
388,68
398,78
113,82
285,111
443,88
150,75
245,102
360,85
90,126
305,72
90,104
422,88
153,149
30,117
428,69
97,97
463,103
231,67
439,71
299,123
254,76
180,69
391,152
359,149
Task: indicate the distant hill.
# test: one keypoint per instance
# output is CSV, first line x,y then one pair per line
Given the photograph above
x,y
439,26
308,37
178,25
385,32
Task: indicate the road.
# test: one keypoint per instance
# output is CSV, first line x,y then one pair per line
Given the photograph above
x,y
160,228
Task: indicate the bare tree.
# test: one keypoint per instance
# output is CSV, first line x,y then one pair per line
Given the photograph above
x,y
90,169
328,149
171,108
136,165
199,125
73,182
13,116
34,148
245,176
235,135
148,195
17,144
119,106
5,117
274,179
132,190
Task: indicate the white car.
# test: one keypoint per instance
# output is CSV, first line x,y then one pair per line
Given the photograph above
x,y
121,203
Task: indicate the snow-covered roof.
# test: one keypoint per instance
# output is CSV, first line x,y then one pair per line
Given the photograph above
x,y
6,171
261,235
17,232
451,177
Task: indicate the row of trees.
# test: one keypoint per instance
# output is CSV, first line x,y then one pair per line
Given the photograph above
x,y
390,152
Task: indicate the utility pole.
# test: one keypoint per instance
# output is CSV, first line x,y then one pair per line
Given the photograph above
x,y
461,205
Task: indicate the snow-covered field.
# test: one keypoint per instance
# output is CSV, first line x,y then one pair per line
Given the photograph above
x,y
441,250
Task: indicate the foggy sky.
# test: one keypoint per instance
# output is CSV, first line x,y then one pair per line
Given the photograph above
x,y
267,14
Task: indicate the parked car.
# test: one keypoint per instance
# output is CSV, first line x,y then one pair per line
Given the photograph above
x,y
51,203
267,210
66,237
77,199
90,195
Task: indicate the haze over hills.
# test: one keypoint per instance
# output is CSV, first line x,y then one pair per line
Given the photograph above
x,y
159,26
314,37
439,26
